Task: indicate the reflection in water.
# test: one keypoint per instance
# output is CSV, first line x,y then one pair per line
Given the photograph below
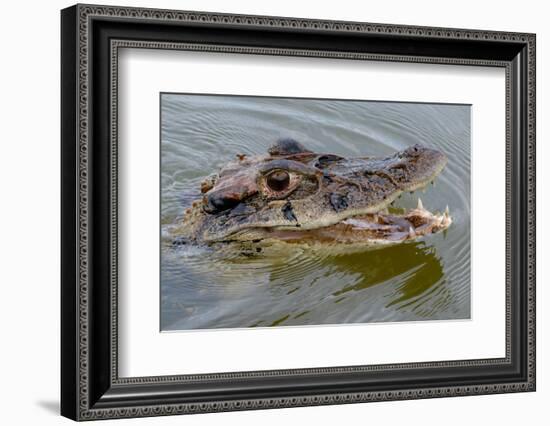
x,y
286,284
418,265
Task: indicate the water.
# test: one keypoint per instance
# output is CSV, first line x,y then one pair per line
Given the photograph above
x,y
424,280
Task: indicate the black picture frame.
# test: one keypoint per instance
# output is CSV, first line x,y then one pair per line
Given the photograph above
x,y
90,386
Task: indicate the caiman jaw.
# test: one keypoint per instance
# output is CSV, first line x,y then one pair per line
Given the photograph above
x,y
386,227
376,228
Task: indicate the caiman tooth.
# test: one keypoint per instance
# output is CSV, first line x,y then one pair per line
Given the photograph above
x,y
447,212
420,206
412,234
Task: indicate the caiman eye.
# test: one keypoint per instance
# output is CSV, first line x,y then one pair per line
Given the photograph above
x,y
278,180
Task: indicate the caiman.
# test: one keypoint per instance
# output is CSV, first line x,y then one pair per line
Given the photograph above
x,y
295,195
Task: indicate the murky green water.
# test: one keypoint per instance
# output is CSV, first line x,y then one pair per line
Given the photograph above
x,y
425,280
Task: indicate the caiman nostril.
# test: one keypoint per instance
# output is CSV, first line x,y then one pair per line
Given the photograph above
x,y
217,202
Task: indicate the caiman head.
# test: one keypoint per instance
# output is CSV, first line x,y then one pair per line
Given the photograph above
x,y
294,194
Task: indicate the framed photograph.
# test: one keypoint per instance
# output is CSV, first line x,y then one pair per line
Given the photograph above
x,y
263,212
